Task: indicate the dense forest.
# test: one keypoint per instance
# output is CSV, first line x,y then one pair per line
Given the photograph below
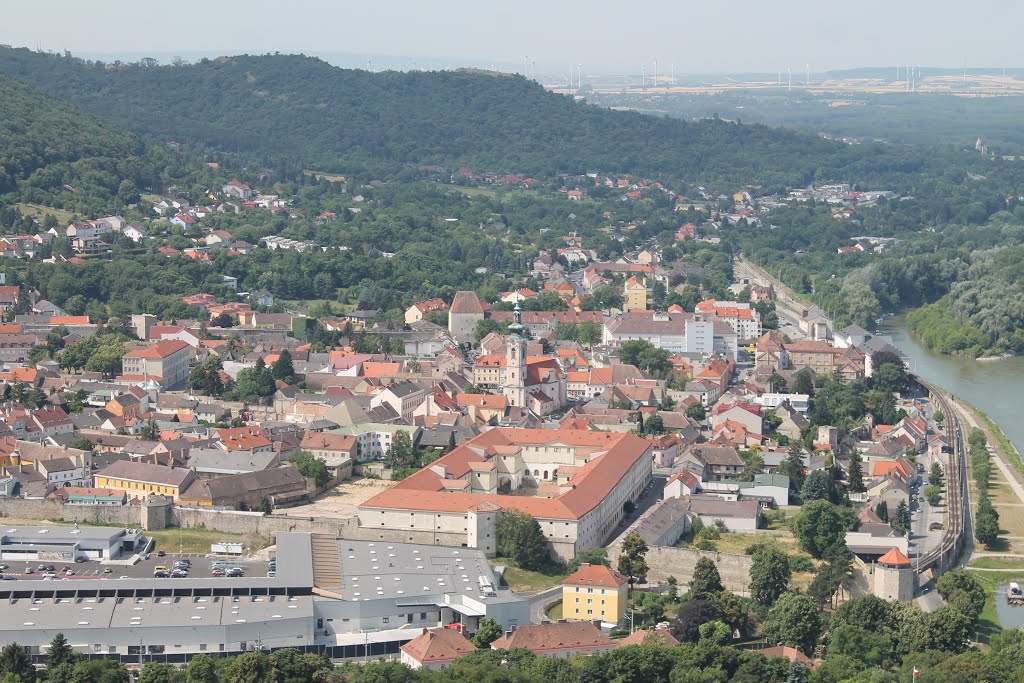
x,y
334,119
52,154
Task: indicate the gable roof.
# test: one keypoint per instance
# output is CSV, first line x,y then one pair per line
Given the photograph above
x,y
554,636
438,645
595,575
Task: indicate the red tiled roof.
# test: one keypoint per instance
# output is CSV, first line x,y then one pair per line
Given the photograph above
x,y
438,645
595,575
161,349
895,558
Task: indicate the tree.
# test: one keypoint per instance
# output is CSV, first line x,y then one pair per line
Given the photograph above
x,y
932,495
818,526
882,510
717,632
150,430
935,477
646,356
689,618
60,652
794,620
15,662
940,417
963,591
986,528
520,538
200,669
731,610
901,519
266,507
803,382
282,368
158,672
818,486
589,333
223,320
695,411
769,574
655,425
206,377
310,466
793,467
488,631
867,645
106,360
856,474
888,378
776,382
255,383
631,561
706,581
594,556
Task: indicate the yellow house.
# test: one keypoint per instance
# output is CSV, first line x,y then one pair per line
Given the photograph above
x,y
141,479
635,295
595,592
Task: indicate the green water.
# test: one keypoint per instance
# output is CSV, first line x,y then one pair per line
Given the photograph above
x,y
996,387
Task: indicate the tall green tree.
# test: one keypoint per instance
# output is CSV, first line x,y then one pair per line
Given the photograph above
x,y
520,538
769,574
282,368
818,526
488,631
59,652
631,560
856,474
706,581
794,620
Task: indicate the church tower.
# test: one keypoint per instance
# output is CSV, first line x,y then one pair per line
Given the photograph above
x,y
515,361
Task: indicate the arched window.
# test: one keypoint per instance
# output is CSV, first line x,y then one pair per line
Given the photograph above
x,y
536,473
545,474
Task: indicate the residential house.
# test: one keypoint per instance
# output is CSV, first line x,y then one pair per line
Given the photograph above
x,y
557,640
595,592
435,649
165,362
282,486
142,479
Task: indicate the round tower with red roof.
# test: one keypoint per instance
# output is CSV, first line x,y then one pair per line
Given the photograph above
x,y
894,576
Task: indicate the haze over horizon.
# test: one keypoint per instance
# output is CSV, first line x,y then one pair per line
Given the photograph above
x,y
748,37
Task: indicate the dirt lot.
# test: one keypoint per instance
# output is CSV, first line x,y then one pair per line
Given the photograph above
x,y
341,501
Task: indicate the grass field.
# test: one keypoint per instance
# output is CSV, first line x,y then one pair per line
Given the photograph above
x,y
555,613
526,581
474,191
996,562
39,212
199,540
989,621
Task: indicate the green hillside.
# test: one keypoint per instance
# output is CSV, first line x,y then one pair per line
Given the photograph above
x,y
300,108
46,145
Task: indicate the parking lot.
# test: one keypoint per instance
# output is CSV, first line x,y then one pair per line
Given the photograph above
x,y
201,567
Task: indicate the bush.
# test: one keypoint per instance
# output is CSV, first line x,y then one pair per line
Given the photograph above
x,y
800,563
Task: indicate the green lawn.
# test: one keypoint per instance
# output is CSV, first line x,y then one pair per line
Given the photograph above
x,y
990,580
525,581
1007,563
198,540
555,613
39,212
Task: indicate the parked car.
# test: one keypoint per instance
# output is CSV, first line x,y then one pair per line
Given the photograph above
x,y
158,574
271,574
3,566
216,571
160,553
108,570
49,576
179,574
235,572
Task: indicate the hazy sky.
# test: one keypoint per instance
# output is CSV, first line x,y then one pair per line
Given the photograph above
x,y
605,36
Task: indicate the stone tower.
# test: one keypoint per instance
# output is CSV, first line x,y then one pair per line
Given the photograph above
x,y
515,361
894,577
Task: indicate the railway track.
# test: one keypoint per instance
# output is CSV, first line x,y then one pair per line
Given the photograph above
x,y
945,554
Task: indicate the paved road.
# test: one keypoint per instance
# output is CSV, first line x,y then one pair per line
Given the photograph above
x,y
538,601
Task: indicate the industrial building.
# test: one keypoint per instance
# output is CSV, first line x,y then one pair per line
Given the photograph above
x,y
67,544
333,596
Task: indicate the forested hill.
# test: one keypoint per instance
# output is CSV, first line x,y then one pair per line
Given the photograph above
x,y
46,145
301,108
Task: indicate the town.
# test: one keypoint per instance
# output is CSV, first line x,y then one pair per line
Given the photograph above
x,y
482,442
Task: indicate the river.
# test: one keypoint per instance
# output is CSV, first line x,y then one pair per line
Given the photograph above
x,y
994,387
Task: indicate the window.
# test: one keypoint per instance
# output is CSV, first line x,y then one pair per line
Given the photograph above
x,y
590,611
590,601
202,647
423,616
